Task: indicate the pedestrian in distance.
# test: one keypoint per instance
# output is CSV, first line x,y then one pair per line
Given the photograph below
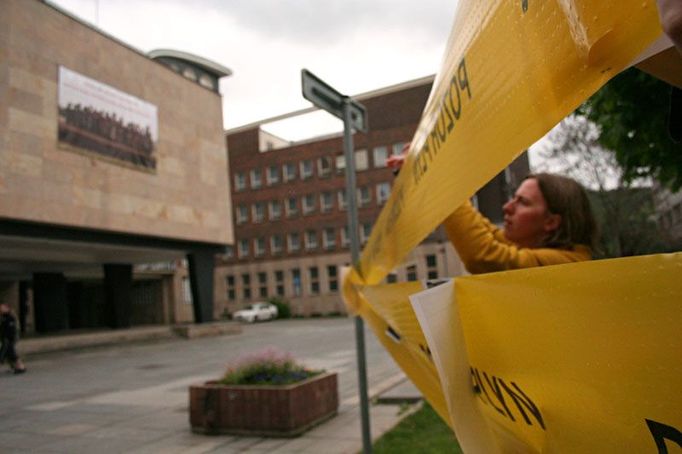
x,y
8,339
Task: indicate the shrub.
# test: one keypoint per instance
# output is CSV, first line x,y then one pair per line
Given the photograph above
x,y
283,309
267,367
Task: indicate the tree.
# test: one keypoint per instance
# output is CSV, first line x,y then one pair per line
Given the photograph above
x,y
623,209
632,114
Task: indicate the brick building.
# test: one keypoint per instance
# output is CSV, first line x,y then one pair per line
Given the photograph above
x,y
290,221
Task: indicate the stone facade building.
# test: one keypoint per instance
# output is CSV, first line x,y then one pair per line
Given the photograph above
x,y
108,158
291,234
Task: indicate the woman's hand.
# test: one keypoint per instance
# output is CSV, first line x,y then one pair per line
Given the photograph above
x,y
396,161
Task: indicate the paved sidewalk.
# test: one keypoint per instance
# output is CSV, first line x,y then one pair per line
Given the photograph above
x,y
133,397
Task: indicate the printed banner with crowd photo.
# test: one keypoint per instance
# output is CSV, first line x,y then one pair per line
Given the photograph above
x,y
604,380
99,119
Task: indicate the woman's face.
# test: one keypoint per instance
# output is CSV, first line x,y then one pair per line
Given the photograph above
x,y
527,221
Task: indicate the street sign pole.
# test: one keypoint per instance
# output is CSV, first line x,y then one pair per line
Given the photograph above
x,y
354,116
355,258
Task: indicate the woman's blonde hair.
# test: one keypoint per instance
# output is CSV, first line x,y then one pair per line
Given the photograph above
x,y
567,198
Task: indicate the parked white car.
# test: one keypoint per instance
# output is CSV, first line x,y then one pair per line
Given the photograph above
x,y
255,312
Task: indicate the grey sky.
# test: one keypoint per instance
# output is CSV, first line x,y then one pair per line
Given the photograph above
x,y
354,45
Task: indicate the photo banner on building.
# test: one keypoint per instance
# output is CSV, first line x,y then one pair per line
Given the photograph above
x,y
100,120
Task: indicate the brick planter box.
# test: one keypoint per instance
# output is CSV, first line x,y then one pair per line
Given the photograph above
x,y
274,411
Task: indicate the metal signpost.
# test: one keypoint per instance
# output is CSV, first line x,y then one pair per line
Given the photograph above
x,y
354,116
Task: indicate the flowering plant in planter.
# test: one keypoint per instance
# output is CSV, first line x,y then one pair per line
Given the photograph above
x,y
267,367
265,393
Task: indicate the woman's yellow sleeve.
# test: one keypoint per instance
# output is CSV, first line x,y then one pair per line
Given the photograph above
x,y
482,247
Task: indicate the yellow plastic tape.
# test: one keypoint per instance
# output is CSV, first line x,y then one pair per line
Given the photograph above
x,y
578,358
512,70
388,313
547,343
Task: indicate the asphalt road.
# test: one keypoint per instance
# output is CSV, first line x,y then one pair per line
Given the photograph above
x,y
125,397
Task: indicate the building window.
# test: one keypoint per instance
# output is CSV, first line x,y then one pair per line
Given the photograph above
x,y
296,281
292,207
242,214
258,212
256,181
274,210
431,261
263,285
361,162
206,81
243,250
239,181
306,169
310,239
392,278
342,199
397,148
314,280
324,166
383,192
308,203
345,237
289,171
273,175
186,290
431,267
340,163
259,247
365,231
412,273
326,201
293,242
246,286
190,74
364,196
276,244
380,155
329,238
229,252
332,273
279,282
229,284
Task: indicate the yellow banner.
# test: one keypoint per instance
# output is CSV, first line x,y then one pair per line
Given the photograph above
x,y
387,311
571,358
583,357
513,69
574,358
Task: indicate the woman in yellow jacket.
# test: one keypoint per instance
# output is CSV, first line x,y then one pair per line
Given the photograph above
x,y
548,221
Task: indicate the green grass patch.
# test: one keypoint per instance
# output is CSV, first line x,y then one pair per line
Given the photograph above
x,y
422,431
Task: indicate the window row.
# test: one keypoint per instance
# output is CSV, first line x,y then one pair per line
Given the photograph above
x,y
264,285
295,242
309,203
305,169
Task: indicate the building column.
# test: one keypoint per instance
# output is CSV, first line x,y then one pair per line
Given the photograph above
x,y
201,267
23,305
118,284
50,304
